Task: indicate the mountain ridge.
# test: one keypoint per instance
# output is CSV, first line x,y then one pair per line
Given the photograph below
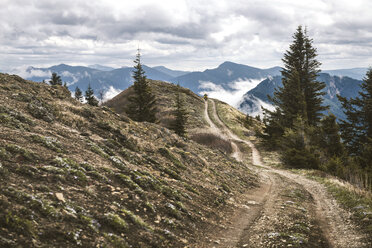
x,y
344,86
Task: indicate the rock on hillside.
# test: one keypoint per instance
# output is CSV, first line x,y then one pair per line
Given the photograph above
x,y
73,175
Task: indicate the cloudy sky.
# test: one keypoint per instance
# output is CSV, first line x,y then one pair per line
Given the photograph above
x,y
181,34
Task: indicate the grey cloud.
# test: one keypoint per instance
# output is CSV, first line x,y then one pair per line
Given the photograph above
x,y
47,31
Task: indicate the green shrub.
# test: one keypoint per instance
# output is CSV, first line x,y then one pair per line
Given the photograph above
x,y
3,171
167,154
48,142
136,219
41,110
116,222
115,241
17,223
128,182
16,150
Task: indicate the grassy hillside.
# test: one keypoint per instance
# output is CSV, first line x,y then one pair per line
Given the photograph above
x,y
73,175
166,98
234,120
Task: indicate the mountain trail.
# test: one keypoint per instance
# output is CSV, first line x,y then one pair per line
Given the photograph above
x,y
286,209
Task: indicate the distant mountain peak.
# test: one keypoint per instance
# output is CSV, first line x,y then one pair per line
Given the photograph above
x,y
101,67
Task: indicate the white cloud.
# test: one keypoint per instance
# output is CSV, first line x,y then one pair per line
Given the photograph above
x,y
29,72
110,93
233,96
255,108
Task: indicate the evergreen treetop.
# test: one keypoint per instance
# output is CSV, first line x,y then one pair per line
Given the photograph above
x,y
141,106
55,79
78,94
89,96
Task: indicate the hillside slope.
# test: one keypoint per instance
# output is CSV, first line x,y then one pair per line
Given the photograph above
x,y
73,175
166,99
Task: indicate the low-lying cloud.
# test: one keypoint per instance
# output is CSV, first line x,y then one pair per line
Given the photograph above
x,y
232,96
29,72
110,93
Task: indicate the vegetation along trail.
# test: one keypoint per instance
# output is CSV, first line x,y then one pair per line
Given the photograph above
x,y
286,210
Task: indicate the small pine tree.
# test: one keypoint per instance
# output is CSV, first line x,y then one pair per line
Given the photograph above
x,y
89,96
78,94
55,79
179,124
141,106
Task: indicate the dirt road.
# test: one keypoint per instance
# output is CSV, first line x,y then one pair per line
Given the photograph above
x,y
286,210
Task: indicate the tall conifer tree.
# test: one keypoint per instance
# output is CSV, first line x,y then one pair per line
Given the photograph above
x,y
141,105
356,130
300,95
312,88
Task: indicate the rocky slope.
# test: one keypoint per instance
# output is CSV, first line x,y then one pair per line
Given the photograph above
x,y
73,175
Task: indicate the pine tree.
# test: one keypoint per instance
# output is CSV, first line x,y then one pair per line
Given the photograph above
x,y
330,140
356,130
141,106
297,148
179,124
89,96
300,95
78,94
55,79
312,88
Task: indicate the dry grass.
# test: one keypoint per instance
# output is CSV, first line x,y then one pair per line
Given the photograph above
x,y
234,120
213,141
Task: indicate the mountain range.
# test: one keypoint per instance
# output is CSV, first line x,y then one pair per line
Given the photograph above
x,y
344,86
248,86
